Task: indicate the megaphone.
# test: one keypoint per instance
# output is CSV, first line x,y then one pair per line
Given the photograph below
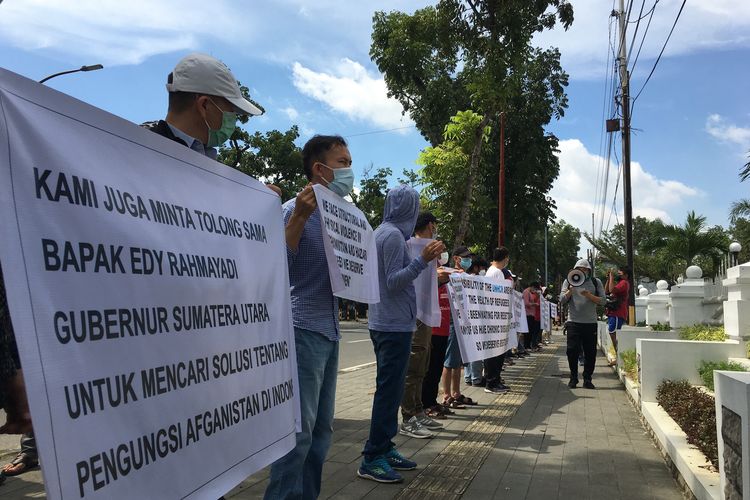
x,y
576,277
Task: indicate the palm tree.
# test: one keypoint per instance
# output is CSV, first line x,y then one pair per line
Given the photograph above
x,y
740,208
745,171
692,239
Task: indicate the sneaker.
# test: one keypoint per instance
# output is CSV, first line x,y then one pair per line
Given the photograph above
x,y
428,422
588,385
398,462
378,469
573,383
413,428
467,381
497,389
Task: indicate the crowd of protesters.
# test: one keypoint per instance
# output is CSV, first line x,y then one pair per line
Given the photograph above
x,y
419,367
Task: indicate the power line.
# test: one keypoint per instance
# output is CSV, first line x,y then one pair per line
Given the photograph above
x,y
380,131
635,31
645,32
661,52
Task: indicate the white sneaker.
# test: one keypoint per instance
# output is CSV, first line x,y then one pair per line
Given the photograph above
x,y
414,429
429,423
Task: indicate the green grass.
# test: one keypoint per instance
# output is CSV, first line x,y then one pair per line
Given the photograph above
x,y
658,327
706,370
630,364
703,332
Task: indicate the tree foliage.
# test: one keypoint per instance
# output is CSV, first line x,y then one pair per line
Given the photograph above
x,y
372,193
663,251
477,54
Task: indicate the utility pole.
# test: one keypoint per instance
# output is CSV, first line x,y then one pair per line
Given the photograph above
x,y
501,186
546,270
626,185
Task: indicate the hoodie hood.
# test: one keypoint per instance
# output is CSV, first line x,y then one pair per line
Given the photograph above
x,y
402,209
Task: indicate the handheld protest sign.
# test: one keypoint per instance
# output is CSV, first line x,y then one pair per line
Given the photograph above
x,y
158,356
482,315
350,248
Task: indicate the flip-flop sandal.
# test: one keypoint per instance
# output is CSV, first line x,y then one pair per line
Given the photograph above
x,y
28,462
452,402
466,400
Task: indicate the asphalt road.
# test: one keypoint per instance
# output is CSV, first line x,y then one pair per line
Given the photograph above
x,y
355,348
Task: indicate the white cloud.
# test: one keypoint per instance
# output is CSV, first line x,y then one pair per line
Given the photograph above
x,y
349,89
718,128
291,113
113,32
715,24
575,191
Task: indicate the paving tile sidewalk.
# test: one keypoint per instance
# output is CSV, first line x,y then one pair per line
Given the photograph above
x,y
539,441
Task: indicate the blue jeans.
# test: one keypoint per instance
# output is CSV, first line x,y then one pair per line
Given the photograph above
x,y
473,372
297,475
392,351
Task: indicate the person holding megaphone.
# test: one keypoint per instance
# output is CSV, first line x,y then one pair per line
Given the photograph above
x,y
582,292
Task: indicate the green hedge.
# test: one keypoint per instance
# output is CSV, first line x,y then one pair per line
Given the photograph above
x,y
706,370
658,327
703,332
694,411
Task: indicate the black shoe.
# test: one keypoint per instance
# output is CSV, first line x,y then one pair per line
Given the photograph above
x,y
497,389
574,383
588,385
481,383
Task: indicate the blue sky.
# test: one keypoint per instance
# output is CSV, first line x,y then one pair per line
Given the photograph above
x,y
307,63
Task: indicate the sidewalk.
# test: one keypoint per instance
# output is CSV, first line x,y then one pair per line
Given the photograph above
x,y
549,442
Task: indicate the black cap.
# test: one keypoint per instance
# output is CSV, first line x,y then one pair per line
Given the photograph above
x,y
461,251
423,219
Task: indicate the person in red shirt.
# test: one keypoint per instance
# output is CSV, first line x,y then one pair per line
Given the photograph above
x,y
533,316
617,288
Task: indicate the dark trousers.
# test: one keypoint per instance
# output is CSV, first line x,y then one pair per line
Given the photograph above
x,y
581,336
28,445
431,382
533,336
392,350
492,368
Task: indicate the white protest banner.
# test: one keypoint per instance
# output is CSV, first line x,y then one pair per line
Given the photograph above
x,y
483,323
553,310
425,286
158,354
519,311
544,315
350,248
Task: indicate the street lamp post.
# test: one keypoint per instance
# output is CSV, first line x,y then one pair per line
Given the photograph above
x,y
93,67
734,250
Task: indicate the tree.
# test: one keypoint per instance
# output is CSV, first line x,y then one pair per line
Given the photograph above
x,y
664,251
450,174
270,157
372,193
563,247
477,54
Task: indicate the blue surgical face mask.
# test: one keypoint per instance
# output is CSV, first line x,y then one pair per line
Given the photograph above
x,y
343,180
465,263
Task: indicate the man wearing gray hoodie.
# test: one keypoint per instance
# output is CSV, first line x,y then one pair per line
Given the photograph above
x,y
392,322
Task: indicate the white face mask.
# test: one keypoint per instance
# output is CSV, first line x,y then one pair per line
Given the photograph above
x,y
443,260
482,272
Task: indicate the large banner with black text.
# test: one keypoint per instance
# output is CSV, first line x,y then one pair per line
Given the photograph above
x,y
149,294
481,309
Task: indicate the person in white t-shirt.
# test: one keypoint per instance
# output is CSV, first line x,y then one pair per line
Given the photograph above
x,y
493,366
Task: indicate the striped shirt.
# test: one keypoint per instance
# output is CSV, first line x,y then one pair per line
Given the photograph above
x,y
313,305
